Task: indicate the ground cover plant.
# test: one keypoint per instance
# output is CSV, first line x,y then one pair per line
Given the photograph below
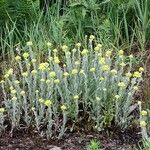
x,y
47,92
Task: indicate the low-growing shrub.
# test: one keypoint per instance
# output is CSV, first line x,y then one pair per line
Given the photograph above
x,y
47,92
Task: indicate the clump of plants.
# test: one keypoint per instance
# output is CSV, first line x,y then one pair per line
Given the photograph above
x,y
44,93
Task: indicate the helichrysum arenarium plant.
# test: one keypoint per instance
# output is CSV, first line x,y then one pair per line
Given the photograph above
x,y
48,93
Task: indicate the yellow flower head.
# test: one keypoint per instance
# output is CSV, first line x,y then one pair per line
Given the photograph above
x,y
78,45
64,48
22,93
135,88
105,68
25,55
92,37
13,91
117,96
143,113
128,74
113,71
48,81
121,52
41,101
50,59
97,49
121,84
37,91
44,66
74,50
63,107
42,80
52,74
29,43
101,79
143,124
108,53
10,71
76,97
131,56
2,81
49,44
102,61
141,69
33,61
74,72
34,72
14,98
92,70
77,62
99,45
84,52
56,60
122,64
17,58
17,82
66,74
2,110
56,81
48,103
81,71
25,74
137,74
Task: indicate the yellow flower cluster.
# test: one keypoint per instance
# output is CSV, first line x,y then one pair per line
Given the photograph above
x,y
84,52
56,60
121,84
25,55
9,72
2,110
44,66
137,74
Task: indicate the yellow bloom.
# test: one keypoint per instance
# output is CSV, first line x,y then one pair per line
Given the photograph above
x,y
78,45
122,64
84,52
22,93
128,74
121,84
43,66
48,81
33,72
52,74
25,55
92,37
81,71
117,96
11,88
41,100
143,124
42,80
17,82
37,91
121,52
143,113
102,61
48,103
13,91
113,71
135,88
76,97
17,58
99,45
25,74
56,81
56,60
10,71
97,49
33,108
33,60
74,50
108,53
49,44
92,70
141,69
14,98
137,74
101,79
29,43
63,107
66,74
2,110
105,68
2,81
64,48
77,62
74,72
131,56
